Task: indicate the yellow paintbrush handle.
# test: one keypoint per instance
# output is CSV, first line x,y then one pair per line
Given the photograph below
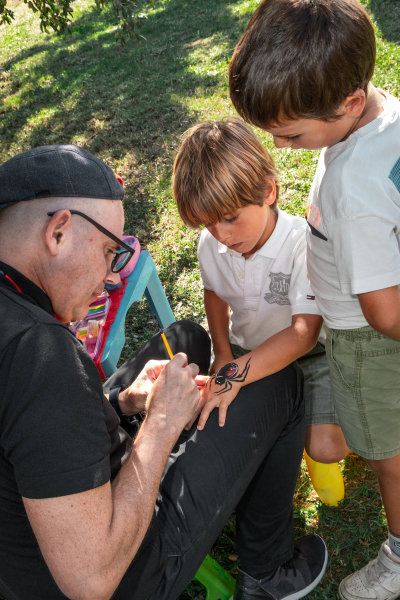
x,y
167,345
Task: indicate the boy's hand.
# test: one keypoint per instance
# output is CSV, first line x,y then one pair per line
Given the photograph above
x,y
212,398
220,360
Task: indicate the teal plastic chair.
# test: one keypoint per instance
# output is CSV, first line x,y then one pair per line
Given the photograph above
x,y
144,281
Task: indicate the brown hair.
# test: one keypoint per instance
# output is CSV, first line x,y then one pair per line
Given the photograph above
x,y
220,167
301,59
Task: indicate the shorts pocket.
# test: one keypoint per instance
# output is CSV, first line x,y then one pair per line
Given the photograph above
x,y
342,355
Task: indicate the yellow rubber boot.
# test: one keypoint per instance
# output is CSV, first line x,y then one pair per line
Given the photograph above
x,y
327,481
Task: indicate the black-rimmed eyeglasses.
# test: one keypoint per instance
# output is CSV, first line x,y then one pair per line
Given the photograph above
x,y
122,256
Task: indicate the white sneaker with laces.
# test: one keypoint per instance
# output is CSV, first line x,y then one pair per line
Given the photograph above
x,y
378,580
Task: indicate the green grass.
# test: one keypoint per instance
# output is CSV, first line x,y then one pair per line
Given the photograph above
x,y
129,106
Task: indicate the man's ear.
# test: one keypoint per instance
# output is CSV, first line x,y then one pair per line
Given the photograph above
x,y
353,105
271,193
56,231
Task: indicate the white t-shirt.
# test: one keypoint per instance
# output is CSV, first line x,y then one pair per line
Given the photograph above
x,y
267,289
354,205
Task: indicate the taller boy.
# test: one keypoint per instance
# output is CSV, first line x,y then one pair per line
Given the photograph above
x,y
302,72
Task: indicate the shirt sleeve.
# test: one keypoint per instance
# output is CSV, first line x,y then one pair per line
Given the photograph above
x,y
366,251
301,297
53,428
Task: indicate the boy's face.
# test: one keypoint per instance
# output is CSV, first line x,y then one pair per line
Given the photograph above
x,y
248,228
310,134
314,134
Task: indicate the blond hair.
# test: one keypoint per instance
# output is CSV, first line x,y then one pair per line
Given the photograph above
x,y
221,166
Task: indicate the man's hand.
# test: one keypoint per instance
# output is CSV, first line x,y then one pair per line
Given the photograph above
x,y
89,539
201,382
133,399
174,398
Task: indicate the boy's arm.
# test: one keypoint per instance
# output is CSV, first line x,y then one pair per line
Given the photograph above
x,y
217,312
382,310
271,356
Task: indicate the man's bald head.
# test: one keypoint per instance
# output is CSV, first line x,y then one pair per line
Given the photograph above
x,y
66,256
63,254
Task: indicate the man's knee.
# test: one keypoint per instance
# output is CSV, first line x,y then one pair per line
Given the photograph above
x,y
189,331
192,339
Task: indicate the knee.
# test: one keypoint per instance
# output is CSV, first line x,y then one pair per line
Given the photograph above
x,y
192,339
325,443
189,330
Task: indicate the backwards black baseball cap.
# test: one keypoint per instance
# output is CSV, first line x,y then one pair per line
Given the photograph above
x,y
61,170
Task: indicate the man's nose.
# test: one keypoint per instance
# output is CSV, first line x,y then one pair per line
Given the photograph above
x,y
112,278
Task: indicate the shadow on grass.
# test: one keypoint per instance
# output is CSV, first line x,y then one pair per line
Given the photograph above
x,y
123,100
126,105
387,15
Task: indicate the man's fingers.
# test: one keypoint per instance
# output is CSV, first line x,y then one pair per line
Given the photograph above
x,y
158,367
156,363
202,402
179,359
192,420
194,369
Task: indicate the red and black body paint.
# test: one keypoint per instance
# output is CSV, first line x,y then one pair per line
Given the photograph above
x,y
229,373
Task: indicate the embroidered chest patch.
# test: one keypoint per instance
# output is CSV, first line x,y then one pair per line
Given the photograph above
x,y
279,288
394,175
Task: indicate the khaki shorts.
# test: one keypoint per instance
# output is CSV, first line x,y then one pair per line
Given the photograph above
x,y
317,385
365,375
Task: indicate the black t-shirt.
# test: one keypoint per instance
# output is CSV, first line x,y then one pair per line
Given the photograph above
x,y
58,433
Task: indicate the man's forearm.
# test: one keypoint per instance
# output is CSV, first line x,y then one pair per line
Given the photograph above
x,y
135,492
89,539
109,523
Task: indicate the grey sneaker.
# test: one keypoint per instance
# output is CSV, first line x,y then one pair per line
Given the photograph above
x,y
378,580
294,579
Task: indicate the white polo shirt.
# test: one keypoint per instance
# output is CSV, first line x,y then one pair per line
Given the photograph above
x,y
354,219
267,289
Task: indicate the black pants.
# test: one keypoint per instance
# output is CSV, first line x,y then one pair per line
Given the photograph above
x,y
250,464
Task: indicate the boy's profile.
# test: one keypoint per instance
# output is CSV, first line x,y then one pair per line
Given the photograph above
x,y
260,308
302,71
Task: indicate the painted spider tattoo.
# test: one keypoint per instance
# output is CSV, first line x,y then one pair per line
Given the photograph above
x,y
229,373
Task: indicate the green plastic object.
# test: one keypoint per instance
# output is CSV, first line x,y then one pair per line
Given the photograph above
x,y
218,583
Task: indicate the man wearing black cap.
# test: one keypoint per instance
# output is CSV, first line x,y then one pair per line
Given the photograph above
x,y
85,512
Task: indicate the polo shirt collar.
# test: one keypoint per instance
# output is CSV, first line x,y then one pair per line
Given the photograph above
x,y
30,289
273,245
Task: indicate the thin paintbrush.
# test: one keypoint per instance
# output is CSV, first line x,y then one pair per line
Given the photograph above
x,y
201,380
163,337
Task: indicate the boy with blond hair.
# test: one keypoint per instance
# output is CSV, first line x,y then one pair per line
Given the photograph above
x,y
260,308
302,71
